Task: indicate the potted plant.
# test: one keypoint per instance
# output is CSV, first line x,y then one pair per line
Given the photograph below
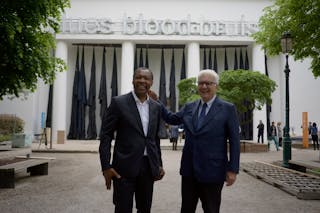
x,y
11,127
5,142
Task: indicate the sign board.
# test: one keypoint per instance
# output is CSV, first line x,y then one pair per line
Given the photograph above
x,y
43,120
143,26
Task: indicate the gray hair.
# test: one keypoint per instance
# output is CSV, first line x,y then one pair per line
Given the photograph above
x,y
211,73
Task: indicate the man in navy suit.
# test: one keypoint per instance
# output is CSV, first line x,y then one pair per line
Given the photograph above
x,y
210,125
136,163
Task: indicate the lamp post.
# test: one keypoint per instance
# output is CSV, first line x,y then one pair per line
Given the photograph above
x,y
286,45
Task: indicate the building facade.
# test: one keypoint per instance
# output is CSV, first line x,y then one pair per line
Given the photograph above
x,y
199,34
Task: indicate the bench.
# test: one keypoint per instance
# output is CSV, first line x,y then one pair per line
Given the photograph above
x,y
33,166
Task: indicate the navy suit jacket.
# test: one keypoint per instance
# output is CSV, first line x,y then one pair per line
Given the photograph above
x,y
205,153
122,119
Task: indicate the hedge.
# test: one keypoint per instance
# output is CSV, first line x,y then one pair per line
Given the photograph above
x,y
10,124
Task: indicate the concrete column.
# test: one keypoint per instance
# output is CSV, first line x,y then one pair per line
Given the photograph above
x,y
193,59
259,65
59,95
127,66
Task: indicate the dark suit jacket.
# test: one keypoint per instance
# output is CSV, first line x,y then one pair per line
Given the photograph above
x,y
122,118
205,154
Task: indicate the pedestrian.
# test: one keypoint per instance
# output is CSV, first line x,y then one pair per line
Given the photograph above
x,y
136,161
260,131
309,127
279,131
210,125
314,136
309,131
174,134
273,135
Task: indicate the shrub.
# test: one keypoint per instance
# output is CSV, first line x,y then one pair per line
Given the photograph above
x,y
10,124
235,86
5,138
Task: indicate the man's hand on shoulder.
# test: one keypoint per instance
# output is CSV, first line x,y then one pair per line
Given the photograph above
x,y
153,95
108,175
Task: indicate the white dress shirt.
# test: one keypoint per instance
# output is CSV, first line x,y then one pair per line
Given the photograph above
x,y
143,108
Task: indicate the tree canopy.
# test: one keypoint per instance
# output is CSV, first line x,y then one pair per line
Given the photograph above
x,y
239,85
188,90
27,30
301,19
235,86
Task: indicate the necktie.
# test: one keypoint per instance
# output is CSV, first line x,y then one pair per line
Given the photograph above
x,y
202,115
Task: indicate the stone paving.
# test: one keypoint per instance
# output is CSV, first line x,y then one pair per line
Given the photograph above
x,y
302,185
75,184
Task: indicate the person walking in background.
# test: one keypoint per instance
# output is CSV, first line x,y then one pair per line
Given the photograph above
x,y
210,125
273,135
310,127
260,131
279,130
309,131
174,134
181,132
136,161
314,136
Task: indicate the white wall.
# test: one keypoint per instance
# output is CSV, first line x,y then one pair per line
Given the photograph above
x,y
175,9
303,95
303,87
29,109
22,109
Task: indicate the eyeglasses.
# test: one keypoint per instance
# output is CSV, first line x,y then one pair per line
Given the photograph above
x,y
207,83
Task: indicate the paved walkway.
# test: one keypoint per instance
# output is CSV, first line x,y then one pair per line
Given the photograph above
x,y
86,146
306,155
75,185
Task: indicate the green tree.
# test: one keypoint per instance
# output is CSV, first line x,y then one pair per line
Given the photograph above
x,y
301,19
27,30
235,86
239,85
188,90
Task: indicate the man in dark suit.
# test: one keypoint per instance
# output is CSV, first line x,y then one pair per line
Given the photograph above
x,y
260,131
210,124
134,118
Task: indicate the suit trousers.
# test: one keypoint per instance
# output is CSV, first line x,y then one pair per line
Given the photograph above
x,y
140,187
260,135
208,193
